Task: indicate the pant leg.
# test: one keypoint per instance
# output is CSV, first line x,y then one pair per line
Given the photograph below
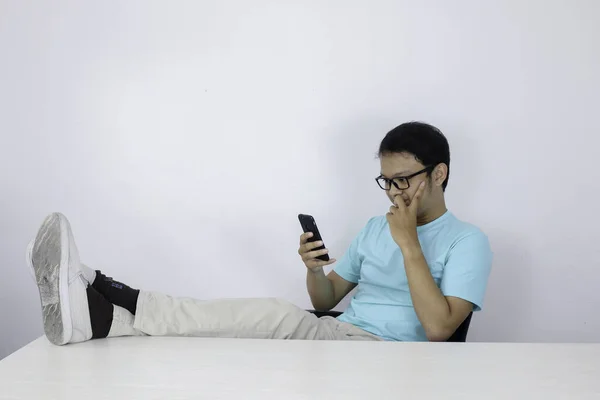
x,y
122,323
161,315
346,331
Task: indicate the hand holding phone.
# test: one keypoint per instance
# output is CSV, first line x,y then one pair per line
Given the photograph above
x,y
312,249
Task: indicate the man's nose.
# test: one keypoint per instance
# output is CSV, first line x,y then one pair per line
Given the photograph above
x,y
394,192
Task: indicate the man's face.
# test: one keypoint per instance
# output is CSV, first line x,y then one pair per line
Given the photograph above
x,y
398,165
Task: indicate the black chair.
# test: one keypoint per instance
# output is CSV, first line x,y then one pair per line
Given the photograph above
x,y
460,335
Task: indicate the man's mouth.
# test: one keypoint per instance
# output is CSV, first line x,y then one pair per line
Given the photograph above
x,y
406,201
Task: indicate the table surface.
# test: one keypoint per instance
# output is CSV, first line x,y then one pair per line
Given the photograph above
x,y
195,368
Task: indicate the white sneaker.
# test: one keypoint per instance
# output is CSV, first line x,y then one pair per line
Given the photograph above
x,y
88,274
54,259
28,259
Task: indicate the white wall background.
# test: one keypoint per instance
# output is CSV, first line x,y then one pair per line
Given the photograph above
x,y
183,138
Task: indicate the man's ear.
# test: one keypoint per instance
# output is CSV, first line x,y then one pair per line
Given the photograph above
x,y
439,174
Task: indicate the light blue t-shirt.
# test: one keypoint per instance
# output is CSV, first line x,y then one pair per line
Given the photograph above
x,y
459,258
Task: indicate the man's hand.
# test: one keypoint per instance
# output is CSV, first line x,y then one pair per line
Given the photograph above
x,y
309,255
403,219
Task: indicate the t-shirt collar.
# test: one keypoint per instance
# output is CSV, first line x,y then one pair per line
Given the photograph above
x,y
430,225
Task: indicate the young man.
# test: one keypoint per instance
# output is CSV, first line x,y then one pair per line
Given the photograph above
x,y
419,271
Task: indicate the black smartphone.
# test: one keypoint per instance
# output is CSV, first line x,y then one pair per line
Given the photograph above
x,y
309,225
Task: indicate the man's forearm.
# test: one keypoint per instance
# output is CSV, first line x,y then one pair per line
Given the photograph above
x,y
320,290
430,303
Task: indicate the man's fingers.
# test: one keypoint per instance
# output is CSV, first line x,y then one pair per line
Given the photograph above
x,y
313,245
314,254
308,246
400,201
304,237
414,203
319,263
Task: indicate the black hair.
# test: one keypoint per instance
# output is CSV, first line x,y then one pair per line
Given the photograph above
x,y
426,142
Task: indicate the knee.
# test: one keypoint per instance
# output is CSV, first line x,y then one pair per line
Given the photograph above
x,y
285,304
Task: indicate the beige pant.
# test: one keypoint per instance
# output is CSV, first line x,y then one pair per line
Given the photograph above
x,y
161,315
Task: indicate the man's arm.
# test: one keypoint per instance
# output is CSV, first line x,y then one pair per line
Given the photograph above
x,y
440,311
326,291
439,315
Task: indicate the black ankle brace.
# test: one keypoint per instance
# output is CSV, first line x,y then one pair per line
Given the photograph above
x,y
116,292
101,313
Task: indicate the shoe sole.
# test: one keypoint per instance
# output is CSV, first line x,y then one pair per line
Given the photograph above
x,y
51,266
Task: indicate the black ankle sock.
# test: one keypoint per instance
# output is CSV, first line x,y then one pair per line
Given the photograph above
x,y
101,313
116,292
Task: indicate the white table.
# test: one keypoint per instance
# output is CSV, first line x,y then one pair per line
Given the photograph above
x,y
194,368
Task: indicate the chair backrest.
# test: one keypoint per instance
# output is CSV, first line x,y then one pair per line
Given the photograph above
x,y
460,335
320,314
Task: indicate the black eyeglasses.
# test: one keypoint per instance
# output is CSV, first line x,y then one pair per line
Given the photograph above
x,y
401,182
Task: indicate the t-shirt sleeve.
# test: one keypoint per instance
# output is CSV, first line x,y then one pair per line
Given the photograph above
x,y
349,265
467,269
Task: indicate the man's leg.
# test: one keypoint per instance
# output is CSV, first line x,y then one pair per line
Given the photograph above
x,y
162,315
158,314
75,311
